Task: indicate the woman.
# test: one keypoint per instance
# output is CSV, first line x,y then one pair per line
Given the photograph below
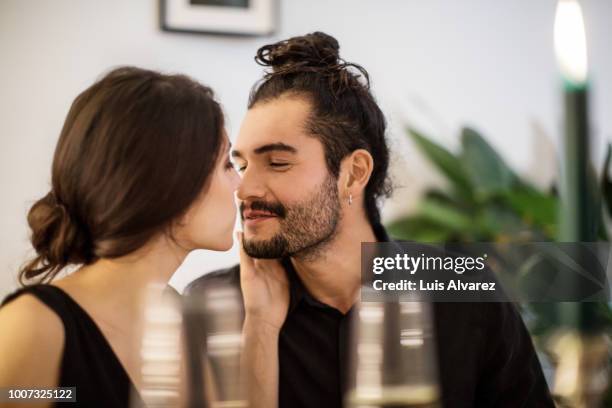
x,y
140,178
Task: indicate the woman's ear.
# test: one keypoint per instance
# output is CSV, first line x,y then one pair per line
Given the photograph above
x,y
358,167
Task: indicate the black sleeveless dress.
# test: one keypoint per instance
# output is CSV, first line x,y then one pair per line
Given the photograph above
x,y
88,361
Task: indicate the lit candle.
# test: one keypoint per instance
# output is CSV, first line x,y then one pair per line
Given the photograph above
x,y
577,380
570,43
579,216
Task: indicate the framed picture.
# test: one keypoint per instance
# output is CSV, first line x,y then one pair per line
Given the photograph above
x,y
233,17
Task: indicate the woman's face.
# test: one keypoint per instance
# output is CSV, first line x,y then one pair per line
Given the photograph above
x,y
209,223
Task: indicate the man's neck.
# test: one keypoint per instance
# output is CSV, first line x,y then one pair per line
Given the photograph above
x,y
334,277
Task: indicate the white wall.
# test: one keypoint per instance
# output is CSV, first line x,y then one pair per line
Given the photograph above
x,y
437,63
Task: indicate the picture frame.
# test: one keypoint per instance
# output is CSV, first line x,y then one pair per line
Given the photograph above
x,y
221,17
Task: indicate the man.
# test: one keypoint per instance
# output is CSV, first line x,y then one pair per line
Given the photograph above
x,y
313,160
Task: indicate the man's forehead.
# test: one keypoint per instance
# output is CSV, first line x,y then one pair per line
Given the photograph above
x,y
260,134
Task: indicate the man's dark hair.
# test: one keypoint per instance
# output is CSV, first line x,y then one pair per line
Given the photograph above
x,y
345,116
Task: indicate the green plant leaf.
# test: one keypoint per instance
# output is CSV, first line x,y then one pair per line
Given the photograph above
x,y
447,163
606,182
450,197
496,222
418,228
487,171
447,215
535,208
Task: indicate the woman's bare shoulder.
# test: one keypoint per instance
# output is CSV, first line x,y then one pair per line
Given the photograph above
x,y
31,343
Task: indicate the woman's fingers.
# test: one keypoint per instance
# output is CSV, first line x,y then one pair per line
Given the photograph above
x,y
264,268
264,265
272,267
246,262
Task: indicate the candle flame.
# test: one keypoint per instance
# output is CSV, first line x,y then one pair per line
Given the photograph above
x,y
570,41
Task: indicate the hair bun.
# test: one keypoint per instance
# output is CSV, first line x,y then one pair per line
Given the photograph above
x,y
315,50
313,53
56,239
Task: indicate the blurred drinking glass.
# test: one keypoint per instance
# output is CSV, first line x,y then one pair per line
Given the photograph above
x,y
393,356
221,317
160,350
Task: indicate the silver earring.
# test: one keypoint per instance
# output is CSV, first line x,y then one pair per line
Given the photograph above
x,y
350,199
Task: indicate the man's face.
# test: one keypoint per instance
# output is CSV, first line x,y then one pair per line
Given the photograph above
x,y
289,203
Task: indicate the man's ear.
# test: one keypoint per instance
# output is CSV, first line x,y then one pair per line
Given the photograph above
x,y
357,167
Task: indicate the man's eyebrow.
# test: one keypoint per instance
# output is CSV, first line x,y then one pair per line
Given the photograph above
x,y
271,147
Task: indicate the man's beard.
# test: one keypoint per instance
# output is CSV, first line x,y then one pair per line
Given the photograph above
x,y
305,227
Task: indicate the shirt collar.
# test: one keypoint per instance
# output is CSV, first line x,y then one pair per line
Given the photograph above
x,y
297,291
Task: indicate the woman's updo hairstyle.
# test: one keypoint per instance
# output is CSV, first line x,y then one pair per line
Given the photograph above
x,y
345,115
136,150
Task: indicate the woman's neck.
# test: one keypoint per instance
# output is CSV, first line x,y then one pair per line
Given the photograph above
x,y
114,293
121,283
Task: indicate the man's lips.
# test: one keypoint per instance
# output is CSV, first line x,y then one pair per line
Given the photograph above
x,y
256,216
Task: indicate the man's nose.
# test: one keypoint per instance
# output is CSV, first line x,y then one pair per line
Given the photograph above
x,y
250,187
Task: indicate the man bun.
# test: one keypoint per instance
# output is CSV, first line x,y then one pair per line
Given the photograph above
x,y
312,53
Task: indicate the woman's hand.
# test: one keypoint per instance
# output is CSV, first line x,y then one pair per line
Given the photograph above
x,y
265,289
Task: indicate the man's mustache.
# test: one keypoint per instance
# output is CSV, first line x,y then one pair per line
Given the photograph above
x,y
275,208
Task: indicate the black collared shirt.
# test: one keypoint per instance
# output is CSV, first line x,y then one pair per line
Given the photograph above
x,y
313,349
485,354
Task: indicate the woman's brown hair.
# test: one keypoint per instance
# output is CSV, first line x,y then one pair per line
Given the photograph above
x,y
135,151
